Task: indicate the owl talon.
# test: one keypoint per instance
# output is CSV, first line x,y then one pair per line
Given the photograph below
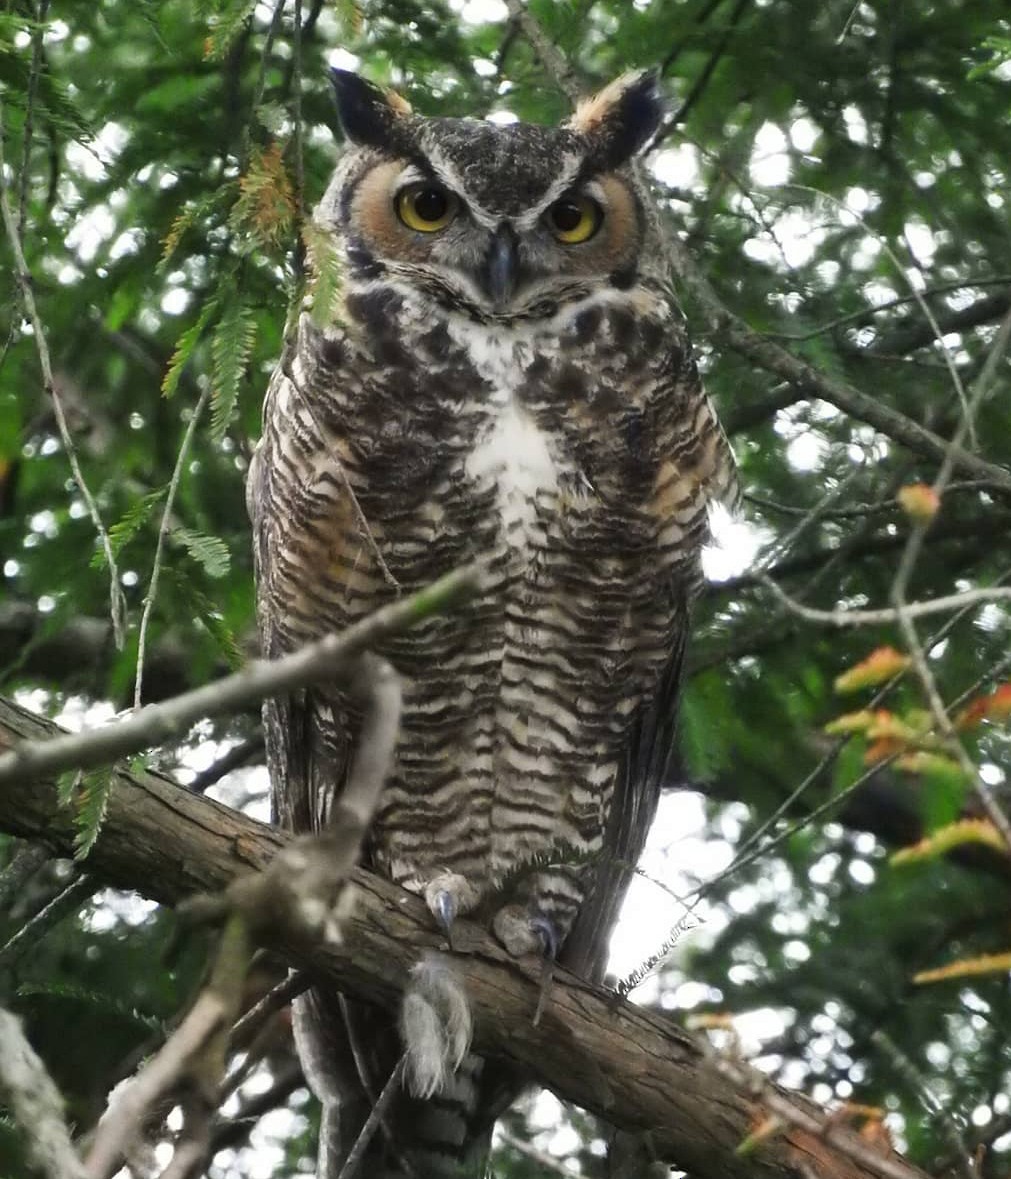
x,y
447,896
547,933
443,907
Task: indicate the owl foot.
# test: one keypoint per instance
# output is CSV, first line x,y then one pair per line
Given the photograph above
x,y
435,1023
447,896
523,932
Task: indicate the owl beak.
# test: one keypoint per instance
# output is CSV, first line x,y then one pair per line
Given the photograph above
x,y
501,263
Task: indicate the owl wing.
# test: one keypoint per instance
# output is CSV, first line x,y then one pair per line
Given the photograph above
x,y
706,465
310,733
633,806
308,749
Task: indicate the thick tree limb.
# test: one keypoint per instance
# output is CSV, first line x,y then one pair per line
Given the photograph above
x,y
635,1068
769,355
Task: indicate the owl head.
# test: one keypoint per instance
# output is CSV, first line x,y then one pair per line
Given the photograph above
x,y
495,221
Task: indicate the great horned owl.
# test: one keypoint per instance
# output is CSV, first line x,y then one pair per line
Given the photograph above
x,y
508,375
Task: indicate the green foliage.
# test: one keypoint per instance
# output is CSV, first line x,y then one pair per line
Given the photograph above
x,y
231,349
210,552
162,158
87,795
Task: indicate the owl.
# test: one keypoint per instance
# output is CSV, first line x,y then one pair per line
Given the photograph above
x,y
506,375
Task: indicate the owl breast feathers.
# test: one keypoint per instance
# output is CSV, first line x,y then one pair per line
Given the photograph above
x,y
506,375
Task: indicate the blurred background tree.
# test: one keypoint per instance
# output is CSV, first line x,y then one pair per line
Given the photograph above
x,y
839,173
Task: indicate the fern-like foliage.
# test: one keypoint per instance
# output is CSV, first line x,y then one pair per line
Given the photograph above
x,y
210,552
87,794
231,348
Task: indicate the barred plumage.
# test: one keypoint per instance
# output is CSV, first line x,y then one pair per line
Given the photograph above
x,y
489,386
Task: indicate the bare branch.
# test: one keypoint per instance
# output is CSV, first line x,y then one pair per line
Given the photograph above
x,y
303,889
814,383
67,901
210,1016
35,1103
166,516
906,612
553,61
334,656
117,603
889,615
907,339
275,1000
372,1122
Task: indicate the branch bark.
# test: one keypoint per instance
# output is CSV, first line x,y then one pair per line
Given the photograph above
x,y
635,1068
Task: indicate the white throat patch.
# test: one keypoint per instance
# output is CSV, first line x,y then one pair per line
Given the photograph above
x,y
512,452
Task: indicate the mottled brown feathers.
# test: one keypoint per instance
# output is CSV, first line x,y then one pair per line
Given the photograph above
x,y
554,422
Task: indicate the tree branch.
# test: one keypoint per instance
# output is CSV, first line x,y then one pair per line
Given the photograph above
x,y
554,63
773,358
330,657
35,1103
635,1068
891,614
919,334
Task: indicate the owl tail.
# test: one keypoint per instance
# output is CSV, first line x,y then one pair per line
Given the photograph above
x,y
439,1125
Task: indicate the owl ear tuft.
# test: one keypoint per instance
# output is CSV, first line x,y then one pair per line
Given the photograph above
x,y
368,114
620,119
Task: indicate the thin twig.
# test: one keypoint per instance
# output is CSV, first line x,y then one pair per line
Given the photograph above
x,y
551,58
744,856
888,615
236,757
183,1054
921,302
23,275
543,1160
334,656
67,901
36,1104
373,1121
960,1158
769,355
38,35
703,79
867,314
275,999
163,530
906,612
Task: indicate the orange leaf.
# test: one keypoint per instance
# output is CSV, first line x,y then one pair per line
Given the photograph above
x,y
850,722
919,502
967,967
995,706
879,666
950,836
881,750
922,761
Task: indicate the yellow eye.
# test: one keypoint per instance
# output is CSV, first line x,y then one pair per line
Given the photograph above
x,y
426,207
575,219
